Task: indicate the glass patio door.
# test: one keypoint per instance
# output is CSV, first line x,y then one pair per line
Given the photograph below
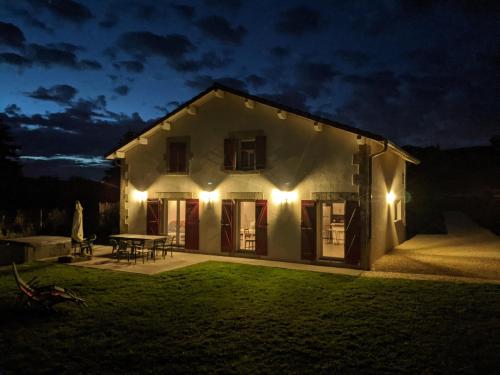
x,y
175,224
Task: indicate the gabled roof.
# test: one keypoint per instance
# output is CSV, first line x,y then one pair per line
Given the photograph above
x,y
297,112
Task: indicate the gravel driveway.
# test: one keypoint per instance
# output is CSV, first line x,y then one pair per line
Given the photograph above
x,y
468,250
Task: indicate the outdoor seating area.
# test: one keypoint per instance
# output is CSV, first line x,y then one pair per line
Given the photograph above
x,y
146,247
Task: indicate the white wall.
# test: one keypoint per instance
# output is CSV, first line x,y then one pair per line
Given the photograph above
x,y
388,170
298,158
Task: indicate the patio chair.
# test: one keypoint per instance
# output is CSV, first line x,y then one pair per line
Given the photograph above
x,y
138,248
249,240
31,293
163,245
113,243
123,249
87,245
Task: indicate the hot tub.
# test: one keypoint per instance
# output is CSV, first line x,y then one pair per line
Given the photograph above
x,y
28,249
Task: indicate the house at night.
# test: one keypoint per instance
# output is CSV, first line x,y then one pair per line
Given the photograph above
x,y
234,174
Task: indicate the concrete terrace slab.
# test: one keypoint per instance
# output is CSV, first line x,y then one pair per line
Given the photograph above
x,y
102,260
468,250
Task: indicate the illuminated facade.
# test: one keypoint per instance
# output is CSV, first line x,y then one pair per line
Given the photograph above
x,y
230,173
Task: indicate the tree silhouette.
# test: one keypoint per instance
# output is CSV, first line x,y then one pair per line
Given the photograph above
x,y
10,168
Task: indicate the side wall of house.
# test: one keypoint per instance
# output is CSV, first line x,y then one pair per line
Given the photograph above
x,y
298,159
387,231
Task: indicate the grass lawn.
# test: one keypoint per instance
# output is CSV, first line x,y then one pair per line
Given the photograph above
x,y
219,317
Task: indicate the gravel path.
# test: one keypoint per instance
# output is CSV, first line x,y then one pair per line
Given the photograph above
x,y
468,250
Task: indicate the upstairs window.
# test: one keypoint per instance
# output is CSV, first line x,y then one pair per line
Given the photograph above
x,y
177,157
246,154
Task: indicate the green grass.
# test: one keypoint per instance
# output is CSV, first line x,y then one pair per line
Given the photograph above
x,y
217,317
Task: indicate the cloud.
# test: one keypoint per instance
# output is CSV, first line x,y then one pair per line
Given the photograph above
x,y
201,82
144,44
12,109
218,28
355,58
185,11
299,20
51,56
27,17
61,94
61,54
85,127
131,66
67,9
11,35
208,60
289,97
15,59
228,4
279,52
109,20
255,81
314,78
122,90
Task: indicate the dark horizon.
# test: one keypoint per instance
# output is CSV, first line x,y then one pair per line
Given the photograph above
x,y
77,75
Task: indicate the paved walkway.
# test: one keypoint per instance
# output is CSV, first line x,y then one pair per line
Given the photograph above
x,y
103,260
468,250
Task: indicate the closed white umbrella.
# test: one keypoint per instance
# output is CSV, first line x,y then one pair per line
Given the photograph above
x,y
77,229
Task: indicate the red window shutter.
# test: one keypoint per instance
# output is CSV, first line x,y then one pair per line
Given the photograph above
x,y
352,243
177,157
181,157
153,216
172,157
230,149
227,225
192,224
308,230
261,227
260,152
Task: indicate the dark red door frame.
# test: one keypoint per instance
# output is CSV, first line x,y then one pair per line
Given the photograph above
x,y
227,226
308,230
192,224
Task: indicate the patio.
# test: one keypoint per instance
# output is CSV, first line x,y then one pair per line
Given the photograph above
x,y
103,260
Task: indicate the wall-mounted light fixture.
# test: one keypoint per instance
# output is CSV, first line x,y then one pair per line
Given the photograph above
x,y
209,196
140,196
318,127
281,114
166,125
390,197
280,196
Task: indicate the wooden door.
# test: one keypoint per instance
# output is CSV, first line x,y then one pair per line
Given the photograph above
x,y
153,216
308,230
192,222
227,225
261,227
352,242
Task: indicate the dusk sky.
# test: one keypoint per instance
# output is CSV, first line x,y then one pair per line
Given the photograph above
x,y
76,75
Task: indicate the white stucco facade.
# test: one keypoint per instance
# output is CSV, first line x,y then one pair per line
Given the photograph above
x,y
299,159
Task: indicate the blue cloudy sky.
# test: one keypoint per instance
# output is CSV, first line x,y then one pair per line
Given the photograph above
x,y
76,75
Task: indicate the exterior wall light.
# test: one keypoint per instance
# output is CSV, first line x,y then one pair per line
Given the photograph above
x,y
284,196
140,196
390,197
209,196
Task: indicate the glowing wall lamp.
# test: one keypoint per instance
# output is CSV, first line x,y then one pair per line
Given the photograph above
x,y
140,196
284,196
209,196
390,197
